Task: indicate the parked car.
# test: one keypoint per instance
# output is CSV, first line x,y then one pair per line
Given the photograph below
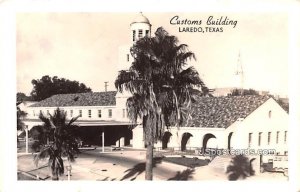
x,y
279,163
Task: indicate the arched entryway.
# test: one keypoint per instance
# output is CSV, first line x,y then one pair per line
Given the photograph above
x,y
229,140
166,139
209,141
185,138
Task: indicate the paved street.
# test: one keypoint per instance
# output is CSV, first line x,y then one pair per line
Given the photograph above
x,y
128,165
117,165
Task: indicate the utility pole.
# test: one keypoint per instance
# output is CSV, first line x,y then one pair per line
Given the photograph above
x,y
106,85
103,138
26,132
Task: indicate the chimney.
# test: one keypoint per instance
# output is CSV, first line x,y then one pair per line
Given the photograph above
x,y
106,85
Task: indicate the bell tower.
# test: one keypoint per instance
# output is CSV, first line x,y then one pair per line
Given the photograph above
x,y
140,27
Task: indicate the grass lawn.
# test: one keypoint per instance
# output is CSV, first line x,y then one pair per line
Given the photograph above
x,y
189,162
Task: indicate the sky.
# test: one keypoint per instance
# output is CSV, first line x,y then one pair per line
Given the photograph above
x,y
84,47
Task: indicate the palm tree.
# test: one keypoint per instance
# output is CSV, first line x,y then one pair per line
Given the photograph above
x,y
161,85
20,116
56,140
240,167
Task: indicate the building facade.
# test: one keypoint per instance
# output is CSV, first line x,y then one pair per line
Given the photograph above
x,y
254,123
101,116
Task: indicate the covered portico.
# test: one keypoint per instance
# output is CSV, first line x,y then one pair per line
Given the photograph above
x,y
105,133
94,132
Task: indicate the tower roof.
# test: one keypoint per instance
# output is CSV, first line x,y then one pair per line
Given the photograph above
x,y
140,18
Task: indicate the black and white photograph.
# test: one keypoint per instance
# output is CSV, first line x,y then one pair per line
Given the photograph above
x,y
135,96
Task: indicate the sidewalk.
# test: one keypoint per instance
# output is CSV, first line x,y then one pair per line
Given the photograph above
x,y
90,166
116,172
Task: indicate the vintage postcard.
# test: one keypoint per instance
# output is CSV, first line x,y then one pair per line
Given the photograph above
x,y
143,95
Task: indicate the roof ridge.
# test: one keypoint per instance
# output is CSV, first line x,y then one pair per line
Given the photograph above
x,y
82,93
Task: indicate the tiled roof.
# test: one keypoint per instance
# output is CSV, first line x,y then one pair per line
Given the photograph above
x,y
79,99
221,112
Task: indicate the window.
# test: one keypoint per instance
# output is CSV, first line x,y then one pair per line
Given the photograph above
x,y
269,138
90,113
140,33
71,113
147,33
285,137
259,138
250,139
33,112
41,112
109,113
277,137
133,35
270,114
48,112
127,57
80,113
99,113
124,113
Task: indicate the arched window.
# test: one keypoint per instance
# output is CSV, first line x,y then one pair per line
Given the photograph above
x,y
270,114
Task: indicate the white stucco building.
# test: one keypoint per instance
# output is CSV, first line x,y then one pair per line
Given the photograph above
x,y
241,122
102,117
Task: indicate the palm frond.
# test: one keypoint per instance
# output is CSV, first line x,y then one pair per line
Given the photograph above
x,y
72,121
45,120
45,152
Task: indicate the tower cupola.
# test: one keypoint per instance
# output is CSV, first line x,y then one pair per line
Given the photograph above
x,y
140,27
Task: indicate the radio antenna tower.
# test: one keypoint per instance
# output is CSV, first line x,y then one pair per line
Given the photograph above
x,y
240,73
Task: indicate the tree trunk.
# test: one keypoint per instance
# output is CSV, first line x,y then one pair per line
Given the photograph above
x,y
149,162
55,177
